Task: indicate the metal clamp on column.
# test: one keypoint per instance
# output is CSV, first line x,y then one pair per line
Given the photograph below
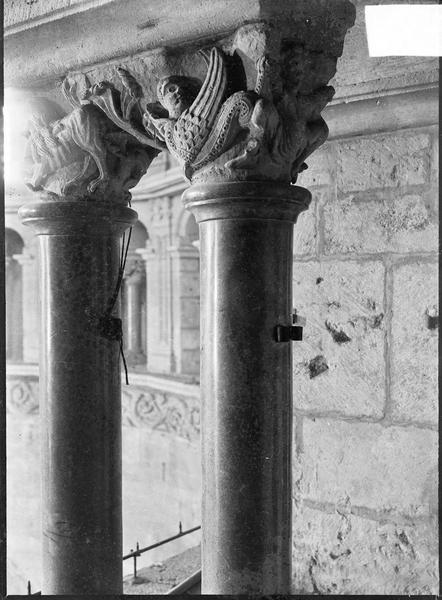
x,y
287,333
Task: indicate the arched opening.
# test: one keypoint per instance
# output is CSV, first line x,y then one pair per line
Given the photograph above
x,y
192,230
14,306
133,296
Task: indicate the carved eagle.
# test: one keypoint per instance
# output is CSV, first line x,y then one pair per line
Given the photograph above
x,y
207,127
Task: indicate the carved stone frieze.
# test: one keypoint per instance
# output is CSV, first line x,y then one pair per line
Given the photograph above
x,y
162,411
153,408
22,396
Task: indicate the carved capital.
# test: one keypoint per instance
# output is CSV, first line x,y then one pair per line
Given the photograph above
x,y
224,129
248,109
98,151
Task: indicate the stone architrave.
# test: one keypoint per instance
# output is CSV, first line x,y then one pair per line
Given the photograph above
x,y
82,165
242,149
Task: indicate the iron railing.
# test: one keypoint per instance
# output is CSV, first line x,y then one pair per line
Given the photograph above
x,y
139,551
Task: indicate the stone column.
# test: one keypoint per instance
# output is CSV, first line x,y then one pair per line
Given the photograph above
x,y
134,285
246,237
242,150
80,395
14,310
160,349
186,308
30,303
82,164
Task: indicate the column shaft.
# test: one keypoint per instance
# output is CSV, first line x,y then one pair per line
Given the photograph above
x,y
80,396
246,273
133,292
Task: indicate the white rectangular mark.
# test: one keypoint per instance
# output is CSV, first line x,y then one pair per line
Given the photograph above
x,y
404,30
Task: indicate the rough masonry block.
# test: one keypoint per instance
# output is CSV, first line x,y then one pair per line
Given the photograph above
x,y
395,160
414,344
305,232
389,224
390,469
321,167
339,366
346,554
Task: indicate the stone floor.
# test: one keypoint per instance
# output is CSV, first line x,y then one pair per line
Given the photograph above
x,y
159,578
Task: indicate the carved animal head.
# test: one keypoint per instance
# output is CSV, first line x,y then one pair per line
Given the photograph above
x,y
177,94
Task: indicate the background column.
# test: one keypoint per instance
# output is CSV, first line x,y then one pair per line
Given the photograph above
x,y
30,302
80,394
134,293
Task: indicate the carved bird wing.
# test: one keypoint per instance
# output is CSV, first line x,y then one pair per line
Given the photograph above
x,y
43,114
194,125
42,143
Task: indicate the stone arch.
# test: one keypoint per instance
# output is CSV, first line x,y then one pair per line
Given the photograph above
x,y
188,228
139,237
192,229
14,245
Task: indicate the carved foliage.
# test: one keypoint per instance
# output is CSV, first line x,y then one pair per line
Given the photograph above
x,y
162,411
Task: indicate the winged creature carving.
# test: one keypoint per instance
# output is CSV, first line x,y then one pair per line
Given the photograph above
x,y
245,134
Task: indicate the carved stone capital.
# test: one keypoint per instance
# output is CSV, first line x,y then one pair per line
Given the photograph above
x,y
98,151
256,115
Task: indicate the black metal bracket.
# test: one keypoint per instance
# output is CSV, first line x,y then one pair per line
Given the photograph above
x,y
110,328
287,333
106,325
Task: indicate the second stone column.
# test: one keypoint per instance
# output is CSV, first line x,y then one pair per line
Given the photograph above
x,y
246,236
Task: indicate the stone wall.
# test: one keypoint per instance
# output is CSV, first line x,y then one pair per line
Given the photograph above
x,y
365,376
